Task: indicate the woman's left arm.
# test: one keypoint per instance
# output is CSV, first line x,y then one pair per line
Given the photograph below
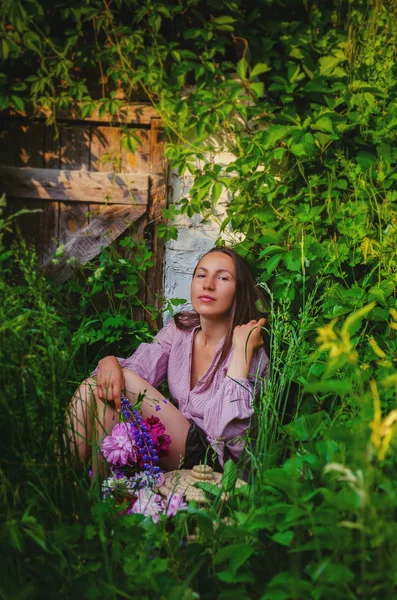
x,y
229,414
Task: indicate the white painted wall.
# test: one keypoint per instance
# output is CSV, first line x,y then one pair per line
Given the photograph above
x,y
194,237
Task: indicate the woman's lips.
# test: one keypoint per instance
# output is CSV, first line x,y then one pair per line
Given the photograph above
x,y
206,299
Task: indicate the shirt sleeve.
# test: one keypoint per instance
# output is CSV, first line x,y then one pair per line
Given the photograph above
x,y
230,413
150,361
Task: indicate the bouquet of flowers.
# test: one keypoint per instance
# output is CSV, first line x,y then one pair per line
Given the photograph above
x,y
133,451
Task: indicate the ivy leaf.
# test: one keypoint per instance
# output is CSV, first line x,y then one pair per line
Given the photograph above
x,y
323,124
274,134
293,259
272,264
224,20
18,103
216,191
257,89
5,49
269,236
259,69
242,67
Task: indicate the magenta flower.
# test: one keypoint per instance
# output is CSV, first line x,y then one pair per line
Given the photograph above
x,y
119,447
172,504
162,441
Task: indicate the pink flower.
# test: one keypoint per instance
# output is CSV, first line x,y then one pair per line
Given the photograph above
x,y
172,504
161,440
146,503
119,448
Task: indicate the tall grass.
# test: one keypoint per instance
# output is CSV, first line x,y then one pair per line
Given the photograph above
x,y
322,488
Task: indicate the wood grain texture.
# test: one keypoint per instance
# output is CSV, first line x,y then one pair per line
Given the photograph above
x,y
111,223
80,186
157,201
52,160
138,161
135,113
7,142
105,149
29,141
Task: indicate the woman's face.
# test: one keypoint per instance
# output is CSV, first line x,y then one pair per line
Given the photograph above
x,y
213,285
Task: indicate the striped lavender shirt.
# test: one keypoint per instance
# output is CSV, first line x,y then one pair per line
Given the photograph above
x,y
223,409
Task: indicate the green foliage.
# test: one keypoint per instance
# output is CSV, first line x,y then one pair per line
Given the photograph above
x,y
305,100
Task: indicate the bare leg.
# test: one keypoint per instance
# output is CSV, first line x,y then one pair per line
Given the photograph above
x,y
91,419
176,425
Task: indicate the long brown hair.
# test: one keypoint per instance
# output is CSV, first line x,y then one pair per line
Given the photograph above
x,y
245,303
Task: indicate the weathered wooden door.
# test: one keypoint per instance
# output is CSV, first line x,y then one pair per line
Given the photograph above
x,y
87,188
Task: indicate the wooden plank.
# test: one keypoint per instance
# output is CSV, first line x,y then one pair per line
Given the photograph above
x,y
75,154
133,113
86,244
157,201
105,155
80,186
105,149
138,161
73,217
29,141
52,147
75,147
7,141
52,160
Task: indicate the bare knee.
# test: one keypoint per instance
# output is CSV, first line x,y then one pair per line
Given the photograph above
x,y
85,393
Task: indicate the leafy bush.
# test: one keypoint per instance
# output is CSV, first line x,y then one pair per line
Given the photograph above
x,y
305,99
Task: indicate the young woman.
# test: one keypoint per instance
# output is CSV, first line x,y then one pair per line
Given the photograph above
x,y
211,358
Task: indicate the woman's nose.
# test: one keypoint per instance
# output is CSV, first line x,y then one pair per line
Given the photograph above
x,y
208,283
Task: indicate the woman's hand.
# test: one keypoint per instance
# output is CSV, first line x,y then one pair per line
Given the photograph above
x,y
110,381
248,337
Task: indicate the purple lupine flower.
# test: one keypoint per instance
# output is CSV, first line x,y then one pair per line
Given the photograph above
x,y
143,439
119,447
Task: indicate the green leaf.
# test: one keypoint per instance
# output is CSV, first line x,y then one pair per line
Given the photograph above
x,y
259,69
229,577
230,475
275,133
216,191
272,263
18,103
5,49
242,67
305,145
323,124
224,20
269,236
306,427
333,386
365,160
293,259
257,89
285,538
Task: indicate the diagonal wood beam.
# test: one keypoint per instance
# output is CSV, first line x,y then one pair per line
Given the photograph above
x,y
105,228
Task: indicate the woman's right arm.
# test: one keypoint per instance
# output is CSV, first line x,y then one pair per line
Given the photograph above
x,y
150,361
